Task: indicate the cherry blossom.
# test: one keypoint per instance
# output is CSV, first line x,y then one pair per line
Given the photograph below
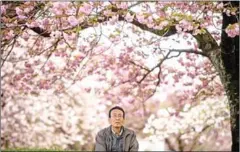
x,y
65,64
232,30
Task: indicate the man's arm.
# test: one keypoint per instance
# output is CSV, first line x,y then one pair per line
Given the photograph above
x,y
134,143
100,144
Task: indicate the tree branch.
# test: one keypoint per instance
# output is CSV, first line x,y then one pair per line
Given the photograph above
x,y
189,51
144,68
206,41
198,135
14,41
170,146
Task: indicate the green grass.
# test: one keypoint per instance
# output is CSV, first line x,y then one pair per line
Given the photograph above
x,y
32,149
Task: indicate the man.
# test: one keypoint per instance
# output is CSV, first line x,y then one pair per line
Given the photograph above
x,y
116,137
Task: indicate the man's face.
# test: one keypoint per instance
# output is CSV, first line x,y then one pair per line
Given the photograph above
x,y
116,119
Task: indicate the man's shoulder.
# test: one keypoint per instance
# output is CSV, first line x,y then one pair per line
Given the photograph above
x,y
106,130
129,131
103,131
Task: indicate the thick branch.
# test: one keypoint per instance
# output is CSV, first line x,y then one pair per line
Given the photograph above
x,y
189,51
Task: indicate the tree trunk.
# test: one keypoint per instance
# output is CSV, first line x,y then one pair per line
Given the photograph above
x,y
226,63
230,58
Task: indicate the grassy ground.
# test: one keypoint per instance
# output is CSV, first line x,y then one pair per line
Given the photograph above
x,y
32,149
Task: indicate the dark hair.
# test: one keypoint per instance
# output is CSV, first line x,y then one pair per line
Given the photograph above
x,y
116,107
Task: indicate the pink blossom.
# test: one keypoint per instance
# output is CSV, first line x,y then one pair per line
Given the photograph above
x,y
56,34
58,8
18,77
70,37
183,22
28,9
194,8
86,8
181,61
79,56
150,23
232,30
73,21
113,20
50,65
220,5
228,12
22,17
87,89
59,5
178,28
129,17
45,22
141,19
158,27
204,83
71,11
219,22
161,13
33,24
122,5
209,13
10,35
44,84
19,11
58,12
189,43
196,32
130,49
176,78
3,9
115,39
29,70
162,25
27,65
150,19
192,75
185,35
233,13
186,25
25,36
108,13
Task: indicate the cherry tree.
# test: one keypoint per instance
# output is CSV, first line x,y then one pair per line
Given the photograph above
x,y
194,128
47,121
41,50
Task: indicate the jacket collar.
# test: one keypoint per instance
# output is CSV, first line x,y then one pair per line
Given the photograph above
x,y
121,131
124,131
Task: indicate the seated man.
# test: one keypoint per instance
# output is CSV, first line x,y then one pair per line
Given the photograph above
x,y
116,137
